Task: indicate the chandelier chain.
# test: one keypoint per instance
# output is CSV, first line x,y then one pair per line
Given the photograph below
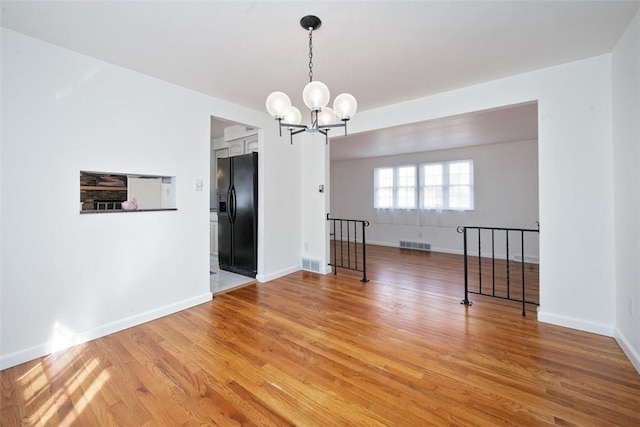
x,y
310,55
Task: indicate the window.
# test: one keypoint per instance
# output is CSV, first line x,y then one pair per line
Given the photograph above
x,y
395,187
443,186
432,191
406,189
383,197
447,185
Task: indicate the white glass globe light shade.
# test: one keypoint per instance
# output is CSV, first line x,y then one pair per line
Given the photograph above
x,y
292,116
315,95
345,106
278,103
327,117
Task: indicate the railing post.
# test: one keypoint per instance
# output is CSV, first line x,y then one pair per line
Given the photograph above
x,y
522,255
465,301
341,244
493,263
349,243
355,242
506,232
479,261
335,244
364,253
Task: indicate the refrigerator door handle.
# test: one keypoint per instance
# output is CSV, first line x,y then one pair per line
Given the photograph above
x,y
229,205
233,204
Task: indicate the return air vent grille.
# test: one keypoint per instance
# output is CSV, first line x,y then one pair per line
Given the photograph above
x,y
421,246
311,264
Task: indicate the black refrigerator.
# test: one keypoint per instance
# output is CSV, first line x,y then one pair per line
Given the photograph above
x,y
237,193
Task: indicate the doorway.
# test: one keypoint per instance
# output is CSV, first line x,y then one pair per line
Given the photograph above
x,y
501,142
228,139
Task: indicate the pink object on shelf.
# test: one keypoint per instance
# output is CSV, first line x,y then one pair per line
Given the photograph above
x,y
130,205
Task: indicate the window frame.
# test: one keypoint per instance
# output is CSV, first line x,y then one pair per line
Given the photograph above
x,y
377,187
446,186
396,187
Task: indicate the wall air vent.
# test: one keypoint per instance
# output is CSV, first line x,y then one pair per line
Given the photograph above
x,y
421,246
311,264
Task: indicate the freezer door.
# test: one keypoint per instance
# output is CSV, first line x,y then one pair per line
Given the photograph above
x,y
223,176
245,212
225,227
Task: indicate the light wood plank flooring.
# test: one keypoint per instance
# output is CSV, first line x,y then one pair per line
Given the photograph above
x,y
314,350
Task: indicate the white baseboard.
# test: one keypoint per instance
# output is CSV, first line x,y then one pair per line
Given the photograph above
x,y
25,355
579,324
627,348
326,270
447,251
262,278
528,258
391,245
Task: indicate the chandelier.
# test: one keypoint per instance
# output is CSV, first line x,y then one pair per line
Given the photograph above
x,y
315,96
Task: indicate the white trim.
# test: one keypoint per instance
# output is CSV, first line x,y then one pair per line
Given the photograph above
x,y
573,323
326,270
528,258
44,349
627,348
262,278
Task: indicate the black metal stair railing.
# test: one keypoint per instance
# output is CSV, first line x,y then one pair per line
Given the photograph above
x,y
347,252
500,270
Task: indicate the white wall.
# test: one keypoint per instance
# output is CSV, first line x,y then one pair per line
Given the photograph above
x,y
66,277
575,178
279,193
505,186
314,204
626,156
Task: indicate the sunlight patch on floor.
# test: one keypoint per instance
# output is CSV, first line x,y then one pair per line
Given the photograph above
x,y
85,383
41,386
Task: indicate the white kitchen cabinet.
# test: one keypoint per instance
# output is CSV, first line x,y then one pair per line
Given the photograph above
x,y
236,147
221,153
213,234
241,146
251,144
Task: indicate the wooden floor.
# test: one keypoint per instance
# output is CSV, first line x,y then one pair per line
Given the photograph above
x,y
314,350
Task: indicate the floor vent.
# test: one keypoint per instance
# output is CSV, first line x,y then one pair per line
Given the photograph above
x,y
415,245
310,264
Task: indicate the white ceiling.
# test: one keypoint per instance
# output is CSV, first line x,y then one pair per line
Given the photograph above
x,y
383,52
513,123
